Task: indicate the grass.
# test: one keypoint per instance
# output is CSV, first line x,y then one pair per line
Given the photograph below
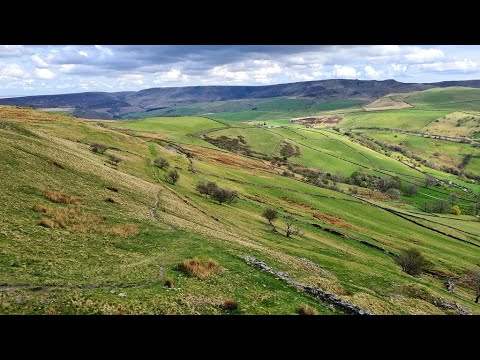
x,y
83,272
409,119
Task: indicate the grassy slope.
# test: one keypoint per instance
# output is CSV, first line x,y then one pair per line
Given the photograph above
x,y
65,260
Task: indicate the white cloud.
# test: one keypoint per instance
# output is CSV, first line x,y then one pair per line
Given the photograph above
x,y
12,50
67,68
39,62
83,53
44,73
419,55
371,73
12,71
346,72
169,76
104,50
464,65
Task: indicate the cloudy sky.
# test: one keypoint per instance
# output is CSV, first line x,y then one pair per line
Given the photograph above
x,y
35,70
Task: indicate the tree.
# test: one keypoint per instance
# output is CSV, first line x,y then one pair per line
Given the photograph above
x,y
98,148
173,176
206,188
441,206
393,193
161,163
270,215
452,198
425,206
114,159
456,210
291,229
411,190
224,195
412,261
430,181
472,280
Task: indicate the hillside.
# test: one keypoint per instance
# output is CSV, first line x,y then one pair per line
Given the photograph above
x,y
114,105
106,233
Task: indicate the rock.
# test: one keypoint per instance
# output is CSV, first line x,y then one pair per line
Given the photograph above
x,y
122,294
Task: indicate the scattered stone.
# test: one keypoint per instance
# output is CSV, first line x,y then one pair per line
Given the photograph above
x,y
122,294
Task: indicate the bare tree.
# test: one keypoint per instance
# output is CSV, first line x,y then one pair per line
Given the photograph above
x,y
291,229
473,281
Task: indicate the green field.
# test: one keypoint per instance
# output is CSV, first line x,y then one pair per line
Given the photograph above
x,y
409,119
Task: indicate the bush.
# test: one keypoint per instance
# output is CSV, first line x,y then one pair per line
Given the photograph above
x,y
394,193
441,206
173,176
456,210
411,190
224,195
305,309
199,269
161,163
270,215
98,148
114,159
412,261
230,304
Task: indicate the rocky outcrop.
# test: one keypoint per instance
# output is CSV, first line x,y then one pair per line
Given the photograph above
x,y
316,293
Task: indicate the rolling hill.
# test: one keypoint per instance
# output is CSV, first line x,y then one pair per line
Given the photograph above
x,y
114,105
106,232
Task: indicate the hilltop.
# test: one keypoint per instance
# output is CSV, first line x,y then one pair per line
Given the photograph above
x,y
104,105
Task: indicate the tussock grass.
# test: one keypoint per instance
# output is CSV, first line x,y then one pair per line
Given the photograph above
x,y
200,269
111,200
77,220
45,222
59,197
230,304
305,309
169,282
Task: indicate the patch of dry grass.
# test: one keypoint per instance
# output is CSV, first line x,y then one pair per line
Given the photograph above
x,y
59,197
77,220
199,269
305,309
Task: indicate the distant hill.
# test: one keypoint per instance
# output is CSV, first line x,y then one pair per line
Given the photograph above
x,y
105,105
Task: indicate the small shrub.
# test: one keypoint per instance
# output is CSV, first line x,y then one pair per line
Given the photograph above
x,y
199,269
98,148
394,193
110,200
456,210
411,190
161,163
305,309
172,177
111,188
169,282
59,197
412,261
230,304
114,159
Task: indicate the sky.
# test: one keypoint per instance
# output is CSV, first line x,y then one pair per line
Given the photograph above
x,y
60,69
